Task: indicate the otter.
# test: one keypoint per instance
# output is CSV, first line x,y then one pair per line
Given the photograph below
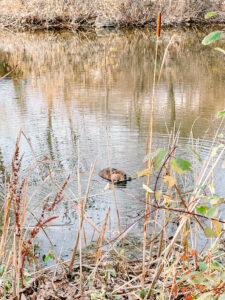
x,y
114,175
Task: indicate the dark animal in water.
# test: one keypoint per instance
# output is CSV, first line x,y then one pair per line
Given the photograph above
x,y
114,175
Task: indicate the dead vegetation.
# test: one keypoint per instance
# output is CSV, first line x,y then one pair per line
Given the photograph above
x,y
71,14
158,267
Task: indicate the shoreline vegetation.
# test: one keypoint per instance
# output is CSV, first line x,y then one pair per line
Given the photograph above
x,y
175,267
112,268
71,14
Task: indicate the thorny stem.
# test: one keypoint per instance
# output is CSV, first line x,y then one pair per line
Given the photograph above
x,y
158,176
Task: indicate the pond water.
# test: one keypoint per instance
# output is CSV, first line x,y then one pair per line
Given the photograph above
x,y
96,88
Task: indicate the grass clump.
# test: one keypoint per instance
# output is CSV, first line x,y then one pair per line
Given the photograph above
x,y
39,14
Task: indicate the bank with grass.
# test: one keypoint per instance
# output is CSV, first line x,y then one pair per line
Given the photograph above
x,y
71,14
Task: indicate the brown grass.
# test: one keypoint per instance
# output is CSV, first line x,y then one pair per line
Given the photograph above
x,y
102,274
41,14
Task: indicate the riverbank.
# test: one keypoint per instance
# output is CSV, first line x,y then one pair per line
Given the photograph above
x,y
62,14
157,266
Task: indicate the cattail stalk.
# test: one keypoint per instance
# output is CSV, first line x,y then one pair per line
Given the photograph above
x,y
149,148
159,25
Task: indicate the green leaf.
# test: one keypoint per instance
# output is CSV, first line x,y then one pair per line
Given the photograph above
x,y
203,266
180,165
142,293
210,14
202,209
212,37
204,296
49,256
209,233
212,212
196,155
220,114
159,159
216,264
220,49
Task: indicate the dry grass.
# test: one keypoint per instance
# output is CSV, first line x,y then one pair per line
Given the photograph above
x,y
40,14
173,270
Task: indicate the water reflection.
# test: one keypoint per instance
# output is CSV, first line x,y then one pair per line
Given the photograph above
x,y
97,88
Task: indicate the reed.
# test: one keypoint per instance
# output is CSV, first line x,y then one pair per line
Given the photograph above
x,y
16,242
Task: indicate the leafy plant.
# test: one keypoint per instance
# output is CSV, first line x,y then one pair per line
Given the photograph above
x,y
51,255
213,36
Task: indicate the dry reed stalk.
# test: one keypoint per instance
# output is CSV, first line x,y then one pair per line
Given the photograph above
x,y
107,139
89,221
59,257
100,247
81,272
85,239
81,205
14,268
7,74
196,243
8,263
153,235
149,150
5,225
117,213
82,213
9,199
162,234
164,58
